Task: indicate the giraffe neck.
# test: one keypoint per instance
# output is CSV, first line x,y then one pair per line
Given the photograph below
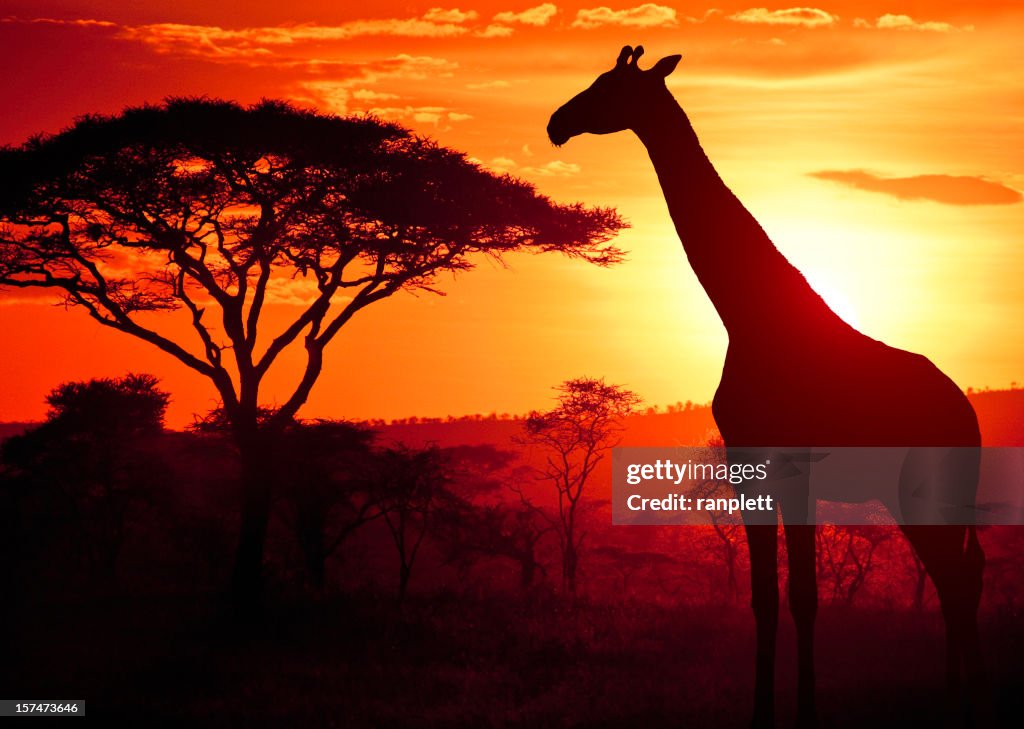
x,y
756,291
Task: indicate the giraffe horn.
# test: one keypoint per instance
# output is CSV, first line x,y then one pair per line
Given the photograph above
x,y
637,52
623,55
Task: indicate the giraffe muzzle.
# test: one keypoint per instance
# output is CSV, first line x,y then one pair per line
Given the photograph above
x,y
557,132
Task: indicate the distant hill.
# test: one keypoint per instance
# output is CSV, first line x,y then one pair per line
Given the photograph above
x,y
1001,416
1000,413
9,429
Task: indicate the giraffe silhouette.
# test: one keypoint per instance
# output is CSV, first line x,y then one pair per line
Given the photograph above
x,y
795,375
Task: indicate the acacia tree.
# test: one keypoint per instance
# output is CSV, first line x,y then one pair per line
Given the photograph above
x,y
574,438
210,209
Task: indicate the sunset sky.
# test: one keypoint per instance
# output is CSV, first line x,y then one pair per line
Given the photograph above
x,y
880,143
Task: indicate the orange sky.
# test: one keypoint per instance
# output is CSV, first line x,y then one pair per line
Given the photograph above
x,y
878,142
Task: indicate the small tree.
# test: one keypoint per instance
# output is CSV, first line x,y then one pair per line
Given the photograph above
x,y
411,488
846,556
92,465
210,209
323,473
727,528
471,532
574,438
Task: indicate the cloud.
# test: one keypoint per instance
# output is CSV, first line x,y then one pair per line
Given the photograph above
x,y
295,292
439,15
433,115
284,45
946,189
647,15
708,15
905,22
807,17
79,22
538,16
368,95
412,67
502,164
334,95
495,31
330,95
12,296
556,168
215,42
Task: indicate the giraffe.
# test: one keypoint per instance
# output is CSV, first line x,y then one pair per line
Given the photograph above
x,y
795,375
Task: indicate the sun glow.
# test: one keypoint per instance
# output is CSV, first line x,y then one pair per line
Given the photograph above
x,y
840,303
879,156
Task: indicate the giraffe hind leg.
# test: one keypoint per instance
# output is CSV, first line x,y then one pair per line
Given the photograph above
x,y
954,560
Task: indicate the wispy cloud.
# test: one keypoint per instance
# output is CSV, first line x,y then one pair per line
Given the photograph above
x,y
807,17
502,26
905,22
335,94
295,292
257,43
495,31
329,95
440,15
370,95
79,22
647,15
947,189
501,165
555,168
538,16
214,41
433,115
708,15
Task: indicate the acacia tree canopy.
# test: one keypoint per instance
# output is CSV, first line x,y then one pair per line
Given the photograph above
x,y
212,208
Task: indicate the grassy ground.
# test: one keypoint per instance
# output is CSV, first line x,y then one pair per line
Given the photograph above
x,y
451,662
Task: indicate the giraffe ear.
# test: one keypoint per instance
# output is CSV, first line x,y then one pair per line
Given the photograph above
x,y
624,54
666,65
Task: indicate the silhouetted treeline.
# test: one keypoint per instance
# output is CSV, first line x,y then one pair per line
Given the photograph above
x,y
101,498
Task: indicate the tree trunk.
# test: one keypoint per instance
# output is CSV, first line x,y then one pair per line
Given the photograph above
x,y
569,566
316,564
730,560
257,487
404,573
527,570
310,533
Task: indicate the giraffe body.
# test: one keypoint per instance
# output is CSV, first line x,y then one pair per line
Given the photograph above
x,y
795,375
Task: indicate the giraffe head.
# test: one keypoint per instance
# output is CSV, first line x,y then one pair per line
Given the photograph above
x,y
617,100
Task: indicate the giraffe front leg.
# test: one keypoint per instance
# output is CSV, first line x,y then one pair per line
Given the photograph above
x,y
803,604
762,540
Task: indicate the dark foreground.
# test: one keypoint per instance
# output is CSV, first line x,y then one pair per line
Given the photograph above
x,y
451,661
